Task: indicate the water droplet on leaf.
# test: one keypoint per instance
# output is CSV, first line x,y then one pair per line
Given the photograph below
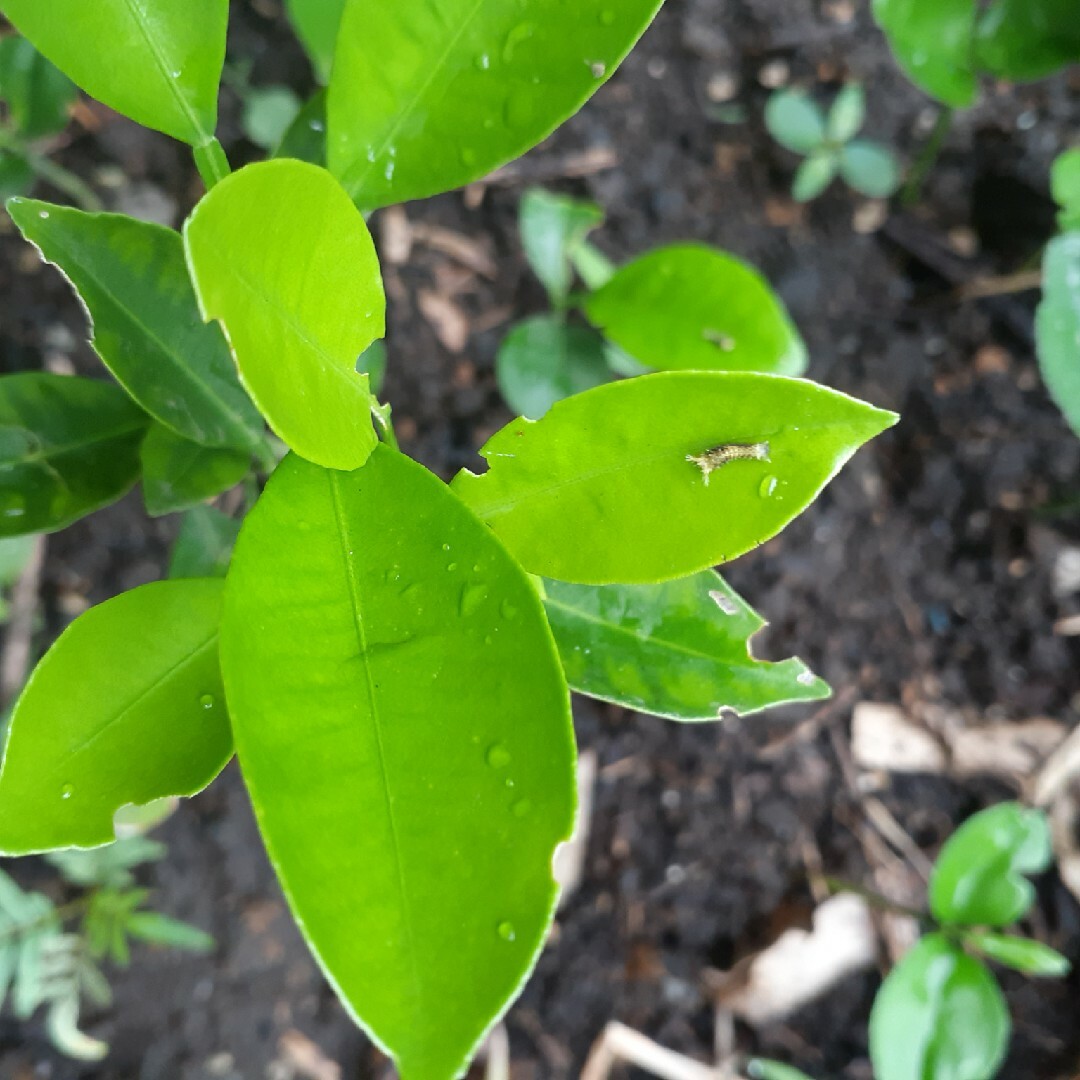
x,y
506,931
498,757
472,596
521,808
67,791
767,486
207,701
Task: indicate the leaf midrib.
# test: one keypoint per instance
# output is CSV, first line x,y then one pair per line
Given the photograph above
x,y
47,453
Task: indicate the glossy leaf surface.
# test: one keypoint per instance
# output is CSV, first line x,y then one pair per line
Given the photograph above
x,y
680,649
370,624
979,877
178,473
171,55
430,96
552,226
317,23
134,284
600,490
544,359
204,545
126,707
691,307
939,1014
1057,325
37,95
1027,39
1020,953
933,42
283,259
68,446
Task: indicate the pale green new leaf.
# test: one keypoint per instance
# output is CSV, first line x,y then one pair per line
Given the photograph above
x,y
317,23
1057,325
156,61
68,446
870,168
283,259
552,226
179,473
204,545
692,307
410,792
427,97
133,282
127,706
815,174
795,120
601,490
680,649
1020,953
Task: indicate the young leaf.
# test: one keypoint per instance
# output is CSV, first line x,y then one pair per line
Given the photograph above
x,y
552,226
204,546
1028,39
17,177
372,698
544,359
847,114
425,98
939,1014
178,473
127,706
1057,325
283,259
691,306
156,61
601,490
870,168
1065,184
269,112
161,930
933,42
68,446
978,879
815,174
37,95
306,138
1020,953
317,23
680,649
372,363
134,284
795,121
108,867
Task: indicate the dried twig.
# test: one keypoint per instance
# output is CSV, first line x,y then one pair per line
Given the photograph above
x,y
620,1043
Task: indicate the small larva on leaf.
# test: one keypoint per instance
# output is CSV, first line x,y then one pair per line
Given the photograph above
x,y
721,455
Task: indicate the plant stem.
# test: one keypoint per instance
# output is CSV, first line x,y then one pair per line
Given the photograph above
x,y
382,415
980,288
211,162
875,899
928,155
45,169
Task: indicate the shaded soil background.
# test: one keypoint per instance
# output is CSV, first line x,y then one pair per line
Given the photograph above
x,y
925,575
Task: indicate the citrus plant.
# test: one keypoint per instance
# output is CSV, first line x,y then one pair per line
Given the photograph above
x,y
388,656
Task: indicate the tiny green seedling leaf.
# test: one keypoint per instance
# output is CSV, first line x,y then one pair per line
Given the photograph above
x,y
269,112
601,489
172,55
373,694
1019,953
68,445
795,120
317,23
204,546
134,284
979,877
159,929
692,307
680,649
126,707
552,228
281,257
815,174
1057,324
38,95
870,168
847,114
939,1014
544,359
178,473
424,99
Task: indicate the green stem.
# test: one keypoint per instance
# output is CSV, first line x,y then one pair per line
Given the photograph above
x,y
928,155
875,899
211,162
382,416
76,189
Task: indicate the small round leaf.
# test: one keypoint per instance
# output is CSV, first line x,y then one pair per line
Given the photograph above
x,y
795,121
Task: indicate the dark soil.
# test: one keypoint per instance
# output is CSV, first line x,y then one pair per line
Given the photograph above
x,y
924,574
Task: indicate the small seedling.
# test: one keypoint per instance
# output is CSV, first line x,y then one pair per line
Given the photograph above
x,y
829,144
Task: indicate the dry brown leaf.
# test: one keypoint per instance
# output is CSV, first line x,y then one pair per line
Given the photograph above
x,y
305,1058
883,737
449,322
395,236
470,252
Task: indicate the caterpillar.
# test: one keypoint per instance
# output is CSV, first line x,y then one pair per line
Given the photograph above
x,y
721,455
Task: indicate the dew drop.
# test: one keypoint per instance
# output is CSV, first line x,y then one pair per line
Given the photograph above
x,y
522,808
489,640
451,567
316,124
483,62
509,610
607,17
767,486
521,32
472,596
67,791
468,157
388,172
805,678
207,701
724,602
506,931
446,547
498,757
12,504
598,68
43,214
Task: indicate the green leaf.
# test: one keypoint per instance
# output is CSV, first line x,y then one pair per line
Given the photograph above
x,y
317,23
37,95
815,174
1028,39
178,473
543,360
306,138
1023,954
127,706
848,113
16,176
938,1015
552,227
933,42
1057,325
204,546
134,284
269,112
978,879
372,363
691,306
601,490
108,867
156,61
410,794
161,930
870,168
425,98
795,121
763,1069
680,649
68,446
283,259
1065,184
